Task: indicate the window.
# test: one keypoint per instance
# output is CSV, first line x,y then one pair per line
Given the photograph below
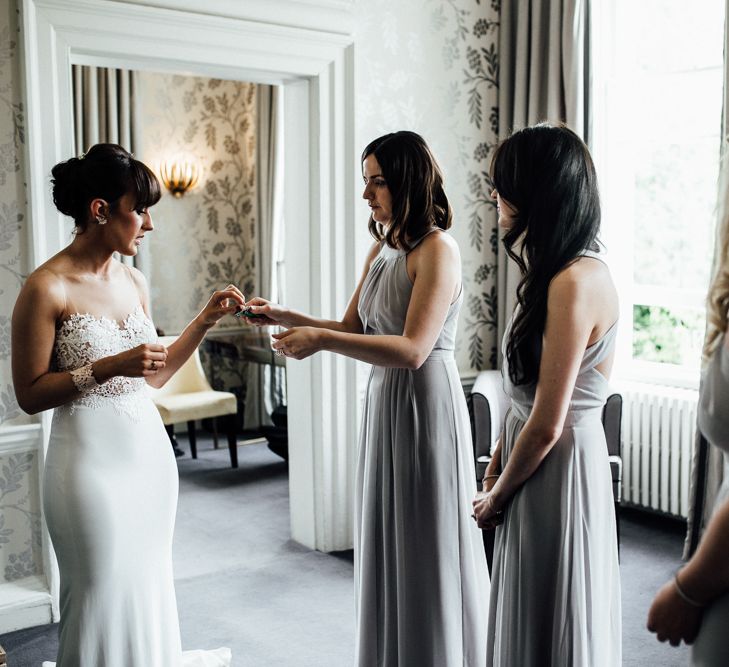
x,y
657,126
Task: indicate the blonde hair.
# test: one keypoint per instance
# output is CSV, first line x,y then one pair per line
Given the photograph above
x,y
717,302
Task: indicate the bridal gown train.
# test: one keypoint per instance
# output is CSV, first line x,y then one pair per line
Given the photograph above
x,y
110,496
420,569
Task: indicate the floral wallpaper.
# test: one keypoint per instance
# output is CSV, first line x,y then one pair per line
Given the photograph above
x,y
206,239
20,516
432,67
12,197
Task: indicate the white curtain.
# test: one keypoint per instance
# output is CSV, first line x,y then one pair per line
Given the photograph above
x,y
106,111
265,383
544,75
707,464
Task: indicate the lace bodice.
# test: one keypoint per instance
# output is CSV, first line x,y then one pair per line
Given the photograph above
x,y
84,338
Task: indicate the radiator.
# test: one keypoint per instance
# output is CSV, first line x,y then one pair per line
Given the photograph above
x,y
657,436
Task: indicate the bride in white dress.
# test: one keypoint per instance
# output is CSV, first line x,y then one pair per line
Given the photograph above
x,y
83,343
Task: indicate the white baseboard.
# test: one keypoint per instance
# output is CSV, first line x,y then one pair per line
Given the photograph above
x,y
24,603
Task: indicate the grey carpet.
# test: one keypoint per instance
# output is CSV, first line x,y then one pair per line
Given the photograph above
x,y
242,582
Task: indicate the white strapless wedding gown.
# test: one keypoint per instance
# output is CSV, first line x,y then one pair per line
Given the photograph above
x,y
110,496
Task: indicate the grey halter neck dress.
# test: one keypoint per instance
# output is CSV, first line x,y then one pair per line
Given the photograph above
x,y
555,583
420,570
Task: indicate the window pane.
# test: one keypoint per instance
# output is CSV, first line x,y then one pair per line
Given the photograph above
x,y
671,336
666,87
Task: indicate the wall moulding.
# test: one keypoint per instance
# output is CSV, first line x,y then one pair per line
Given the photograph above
x,y
315,69
334,16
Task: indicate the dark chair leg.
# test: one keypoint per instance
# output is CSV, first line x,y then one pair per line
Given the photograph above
x,y
214,420
193,438
231,428
170,428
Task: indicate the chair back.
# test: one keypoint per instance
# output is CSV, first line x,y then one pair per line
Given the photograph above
x,y
189,378
490,405
612,414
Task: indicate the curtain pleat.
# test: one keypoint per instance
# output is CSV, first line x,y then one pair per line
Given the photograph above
x,y
543,76
264,387
105,111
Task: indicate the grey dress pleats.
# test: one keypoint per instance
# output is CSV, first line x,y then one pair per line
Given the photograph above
x,y
555,586
421,577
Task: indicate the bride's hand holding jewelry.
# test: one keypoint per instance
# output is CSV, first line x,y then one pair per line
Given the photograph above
x,y
298,343
221,303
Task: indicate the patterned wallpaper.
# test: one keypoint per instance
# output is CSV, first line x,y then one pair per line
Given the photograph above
x,y
20,517
432,67
20,527
12,197
206,239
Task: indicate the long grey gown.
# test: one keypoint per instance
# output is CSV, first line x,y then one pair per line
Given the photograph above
x,y
555,585
420,570
711,648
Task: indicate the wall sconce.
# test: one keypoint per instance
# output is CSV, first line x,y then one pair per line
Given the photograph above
x,y
179,175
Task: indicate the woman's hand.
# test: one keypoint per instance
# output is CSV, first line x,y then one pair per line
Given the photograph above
x,y
485,511
142,361
672,618
266,312
299,342
222,302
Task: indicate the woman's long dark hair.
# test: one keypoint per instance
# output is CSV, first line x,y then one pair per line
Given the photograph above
x,y
546,174
416,185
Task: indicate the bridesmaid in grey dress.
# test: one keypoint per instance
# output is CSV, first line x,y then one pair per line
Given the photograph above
x,y
420,570
555,589
694,605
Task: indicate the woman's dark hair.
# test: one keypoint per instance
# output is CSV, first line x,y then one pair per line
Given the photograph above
x,y
107,172
416,185
546,174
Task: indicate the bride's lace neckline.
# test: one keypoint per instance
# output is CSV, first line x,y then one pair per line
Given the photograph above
x,y
122,325
83,338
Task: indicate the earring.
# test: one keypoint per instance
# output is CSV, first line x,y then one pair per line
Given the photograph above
x,y
101,219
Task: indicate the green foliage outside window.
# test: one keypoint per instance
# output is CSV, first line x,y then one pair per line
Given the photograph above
x,y
669,336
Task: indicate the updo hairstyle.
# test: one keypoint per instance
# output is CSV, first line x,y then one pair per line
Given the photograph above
x,y
108,172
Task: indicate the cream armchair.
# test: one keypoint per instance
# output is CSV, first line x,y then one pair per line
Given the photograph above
x,y
188,396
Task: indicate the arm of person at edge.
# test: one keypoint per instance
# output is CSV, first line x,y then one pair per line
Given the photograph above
x,y
41,304
704,578
221,303
434,268
573,317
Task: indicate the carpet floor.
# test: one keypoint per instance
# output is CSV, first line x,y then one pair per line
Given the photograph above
x,y
242,582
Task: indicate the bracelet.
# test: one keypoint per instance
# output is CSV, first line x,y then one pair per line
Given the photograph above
x,y
492,476
683,596
83,379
